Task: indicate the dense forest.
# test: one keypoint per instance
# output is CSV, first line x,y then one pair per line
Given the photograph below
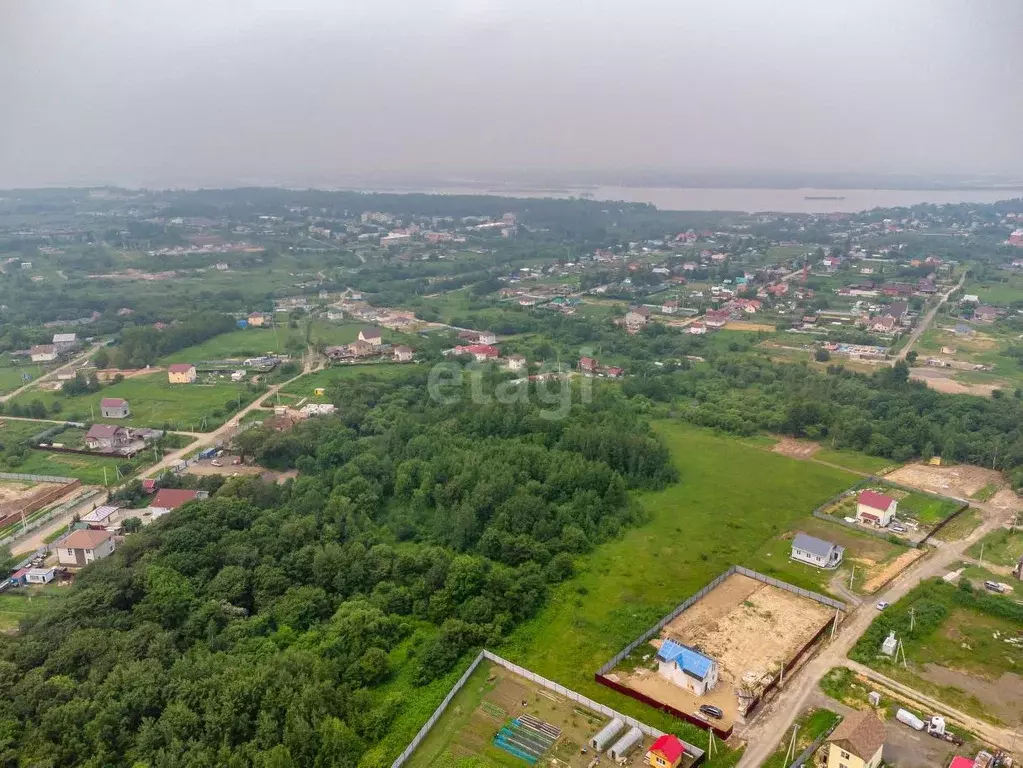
x,y
252,628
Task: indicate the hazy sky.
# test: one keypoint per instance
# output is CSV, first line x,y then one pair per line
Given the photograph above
x,y
310,91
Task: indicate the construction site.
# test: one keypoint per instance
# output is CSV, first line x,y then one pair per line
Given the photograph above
x,y
725,650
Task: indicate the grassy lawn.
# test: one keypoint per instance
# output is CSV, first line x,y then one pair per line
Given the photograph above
x,y
154,402
858,462
247,342
927,509
11,375
812,723
999,547
306,385
16,430
88,469
961,527
17,604
954,643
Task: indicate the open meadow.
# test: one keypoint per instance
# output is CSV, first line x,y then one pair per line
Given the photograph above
x,y
154,402
243,343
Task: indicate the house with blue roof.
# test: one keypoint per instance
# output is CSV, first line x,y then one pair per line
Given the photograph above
x,y
686,667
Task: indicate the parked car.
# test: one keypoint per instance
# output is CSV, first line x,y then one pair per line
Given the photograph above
x,y
216,463
882,605
711,711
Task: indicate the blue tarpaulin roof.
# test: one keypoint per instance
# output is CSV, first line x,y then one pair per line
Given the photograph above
x,y
688,660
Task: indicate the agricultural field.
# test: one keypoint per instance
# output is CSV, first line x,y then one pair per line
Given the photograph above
x,y
1002,292
964,648
154,402
482,716
751,629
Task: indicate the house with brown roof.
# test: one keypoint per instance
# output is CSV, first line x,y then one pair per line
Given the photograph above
x,y
114,408
43,353
371,336
106,437
181,373
83,546
168,499
402,354
857,742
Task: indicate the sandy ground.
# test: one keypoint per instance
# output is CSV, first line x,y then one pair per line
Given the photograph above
x,y
13,490
942,381
108,374
797,449
742,325
886,573
204,467
748,626
1004,695
649,682
960,480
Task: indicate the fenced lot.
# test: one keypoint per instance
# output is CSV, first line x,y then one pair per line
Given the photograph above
x,y
752,629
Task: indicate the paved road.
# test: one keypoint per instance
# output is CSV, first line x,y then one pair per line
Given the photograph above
x,y
763,735
925,323
50,374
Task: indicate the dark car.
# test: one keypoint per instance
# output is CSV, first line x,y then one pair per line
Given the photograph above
x,y
711,711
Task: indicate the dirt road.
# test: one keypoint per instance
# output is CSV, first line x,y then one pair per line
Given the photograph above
x,y
925,323
36,539
50,374
763,734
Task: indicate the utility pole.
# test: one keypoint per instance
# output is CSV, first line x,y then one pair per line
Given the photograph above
x,y
834,624
912,619
790,753
981,558
104,477
852,574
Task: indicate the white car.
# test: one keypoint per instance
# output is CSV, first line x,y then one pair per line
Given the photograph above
x,y
882,605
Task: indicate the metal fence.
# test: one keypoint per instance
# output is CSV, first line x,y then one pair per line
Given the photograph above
x,y
665,620
36,478
57,511
550,685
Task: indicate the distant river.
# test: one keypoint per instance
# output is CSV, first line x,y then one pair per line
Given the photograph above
x,y
750,200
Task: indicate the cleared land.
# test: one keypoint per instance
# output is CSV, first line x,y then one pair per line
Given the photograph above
x,y
21,603
307,385
154,402
1002,548
715,517
922,509
750,628
492,698
961,481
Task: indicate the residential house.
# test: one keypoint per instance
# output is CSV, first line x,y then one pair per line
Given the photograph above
x,y
749,306
106,437
666,752
335,314
515,362
614,372
985,314
478,337
43,353
114,408
897,310
857,742
637,318
884,324
696,328
81,547
258,319
168,499
669,307
361,348
875,508
181,373
970,298
816,552
587,365
686,667
481,352
371,336
715,318
402,354
65,342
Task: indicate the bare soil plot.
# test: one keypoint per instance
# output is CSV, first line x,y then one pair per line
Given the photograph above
x,y
750,628
942,381
797,449
205,467
1003,695
879,576
16,490
742,325
960,480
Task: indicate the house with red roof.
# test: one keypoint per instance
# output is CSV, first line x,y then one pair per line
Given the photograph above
x,y
181,373
961,762
114,408
169,499
481,352
587,365
666,752
873,508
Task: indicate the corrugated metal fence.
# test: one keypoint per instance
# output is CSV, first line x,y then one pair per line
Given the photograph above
x,y
36,478
550,685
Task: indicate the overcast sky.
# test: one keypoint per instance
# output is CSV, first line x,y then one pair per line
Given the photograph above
x,y
213,92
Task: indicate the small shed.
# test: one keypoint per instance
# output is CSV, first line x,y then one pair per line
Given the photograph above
x,y
889,645
606,735
40,575
626,744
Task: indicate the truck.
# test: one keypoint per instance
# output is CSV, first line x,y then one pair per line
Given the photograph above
x,y
207,453
908,718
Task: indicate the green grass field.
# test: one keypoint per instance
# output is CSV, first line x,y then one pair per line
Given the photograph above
x,y
716,516
306,385
992,292
11,375
88,469
247,342
858,462
154,402
18,604
927,509
17,430
999,547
